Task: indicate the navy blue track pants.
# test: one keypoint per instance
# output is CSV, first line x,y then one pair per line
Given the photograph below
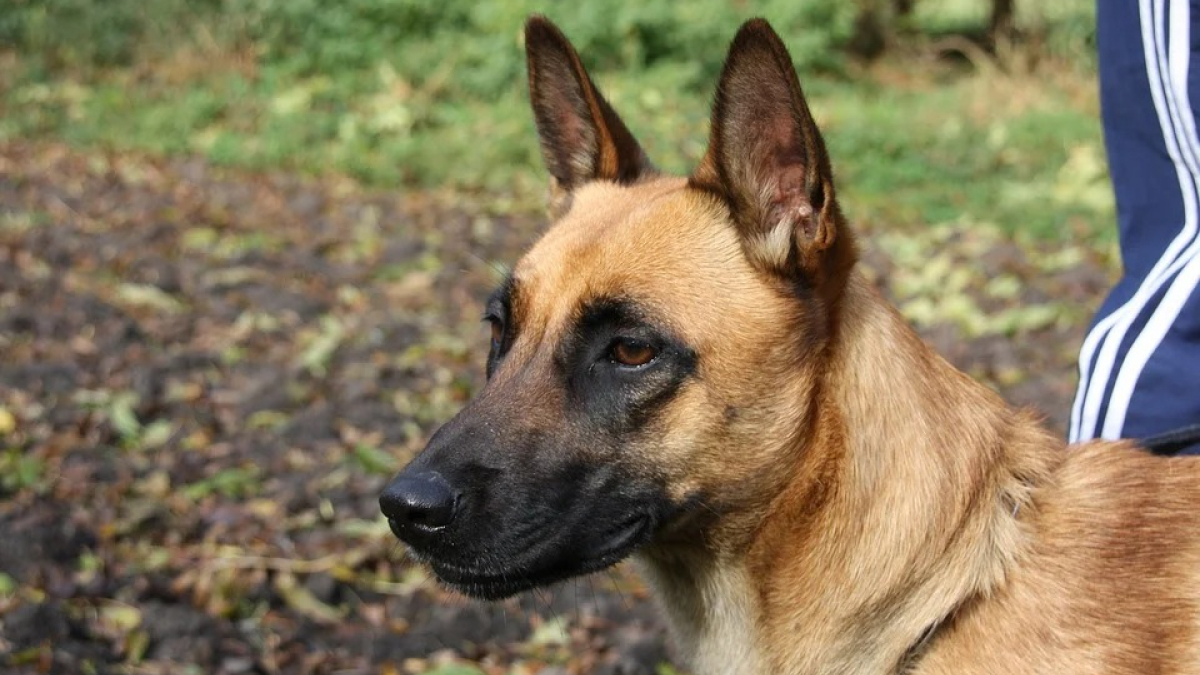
x,y
1139,365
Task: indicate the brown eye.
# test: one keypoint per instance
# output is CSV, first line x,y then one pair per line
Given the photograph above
x,y
633,353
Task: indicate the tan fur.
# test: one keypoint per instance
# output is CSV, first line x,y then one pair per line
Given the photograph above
x,y
868,508
919,497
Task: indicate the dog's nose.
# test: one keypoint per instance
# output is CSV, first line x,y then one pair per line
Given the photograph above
x,y
422,502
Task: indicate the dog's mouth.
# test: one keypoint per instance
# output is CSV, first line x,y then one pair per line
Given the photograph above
x,y
496,580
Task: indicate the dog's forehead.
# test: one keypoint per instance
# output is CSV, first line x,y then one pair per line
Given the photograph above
x,y
660,243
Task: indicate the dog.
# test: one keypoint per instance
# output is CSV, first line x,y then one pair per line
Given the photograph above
x,y
691,372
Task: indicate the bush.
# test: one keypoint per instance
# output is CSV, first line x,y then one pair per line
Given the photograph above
x,y
476,40
422,39
85,34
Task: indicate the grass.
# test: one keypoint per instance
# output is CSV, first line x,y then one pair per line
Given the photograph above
x,y
916,140
983,149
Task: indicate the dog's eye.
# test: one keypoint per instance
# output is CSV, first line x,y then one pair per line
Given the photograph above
x,y
632,353
497,327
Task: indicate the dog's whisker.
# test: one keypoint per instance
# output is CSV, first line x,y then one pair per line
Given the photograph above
x,y
612,575
575,593
500,270
591,578
543,596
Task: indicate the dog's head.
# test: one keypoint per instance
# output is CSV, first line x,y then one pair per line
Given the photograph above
x,y
656,357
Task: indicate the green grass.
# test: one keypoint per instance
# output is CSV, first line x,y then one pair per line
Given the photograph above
x,y
967,152
402,93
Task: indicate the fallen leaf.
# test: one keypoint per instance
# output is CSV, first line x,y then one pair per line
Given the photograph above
x,y
8,421
298,598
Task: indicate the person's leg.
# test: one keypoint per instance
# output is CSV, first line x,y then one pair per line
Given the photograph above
x,y
1140,363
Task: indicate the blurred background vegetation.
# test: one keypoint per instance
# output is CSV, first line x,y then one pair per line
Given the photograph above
x,y
942,124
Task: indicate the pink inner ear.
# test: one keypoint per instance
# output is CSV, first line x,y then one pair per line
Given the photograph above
x,y
567,134
783,170
570,126
789,203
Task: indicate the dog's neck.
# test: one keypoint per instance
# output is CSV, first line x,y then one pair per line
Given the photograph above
x,y
710,607
907,501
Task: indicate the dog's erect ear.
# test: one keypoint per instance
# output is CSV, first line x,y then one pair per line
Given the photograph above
x,y
767,160
582,137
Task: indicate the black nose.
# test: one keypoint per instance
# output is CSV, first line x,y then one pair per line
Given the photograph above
x,y
421,502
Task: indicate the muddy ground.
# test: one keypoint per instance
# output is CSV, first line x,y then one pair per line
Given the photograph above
x,y
206,377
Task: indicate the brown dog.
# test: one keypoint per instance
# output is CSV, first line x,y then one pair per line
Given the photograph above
x,y
690,371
